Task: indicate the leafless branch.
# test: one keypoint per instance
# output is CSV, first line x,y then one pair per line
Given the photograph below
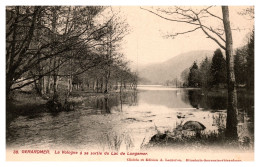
x,y
210,36
193,20
211,14
174,20
181,33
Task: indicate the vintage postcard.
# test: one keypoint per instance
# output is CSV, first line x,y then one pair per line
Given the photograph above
x,y
130,83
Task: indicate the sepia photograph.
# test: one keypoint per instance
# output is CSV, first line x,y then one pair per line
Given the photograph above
x,y
130,83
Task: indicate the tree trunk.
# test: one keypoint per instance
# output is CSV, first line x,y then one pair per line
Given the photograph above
x,y
121,84
231,124
97,85
107,80
101,85
8,86
106,83
94,85
125,84
107,109
116,85
54,22
37,87
69,84
42,86
55,84
87,82
48,85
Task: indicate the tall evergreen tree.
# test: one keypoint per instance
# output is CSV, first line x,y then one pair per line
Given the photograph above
x,y
218,68
193,79
240,65
185,76
205,76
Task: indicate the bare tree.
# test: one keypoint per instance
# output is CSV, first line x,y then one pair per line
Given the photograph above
x,y
43,38
116,31
197,19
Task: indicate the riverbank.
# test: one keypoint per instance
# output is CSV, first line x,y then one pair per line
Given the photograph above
x,y
215,91
31,102
187,141
223,91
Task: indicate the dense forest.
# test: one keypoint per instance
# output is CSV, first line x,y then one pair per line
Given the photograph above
x,y
213,73
53,49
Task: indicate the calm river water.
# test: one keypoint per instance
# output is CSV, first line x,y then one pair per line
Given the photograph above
x,y
127,121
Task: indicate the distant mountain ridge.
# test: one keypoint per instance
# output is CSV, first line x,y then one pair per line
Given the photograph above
x,y
172,68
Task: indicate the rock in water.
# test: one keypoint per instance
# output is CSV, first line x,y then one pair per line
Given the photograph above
x,y
194,126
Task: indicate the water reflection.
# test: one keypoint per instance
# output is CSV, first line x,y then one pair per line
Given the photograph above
x,y
216,100
134,114
194,98
115,103
103,105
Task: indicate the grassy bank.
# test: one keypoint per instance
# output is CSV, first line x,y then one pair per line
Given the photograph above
x,y
186,140
25,102
30,102
223,91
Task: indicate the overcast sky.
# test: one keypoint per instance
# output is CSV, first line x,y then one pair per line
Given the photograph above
x,y
145,44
